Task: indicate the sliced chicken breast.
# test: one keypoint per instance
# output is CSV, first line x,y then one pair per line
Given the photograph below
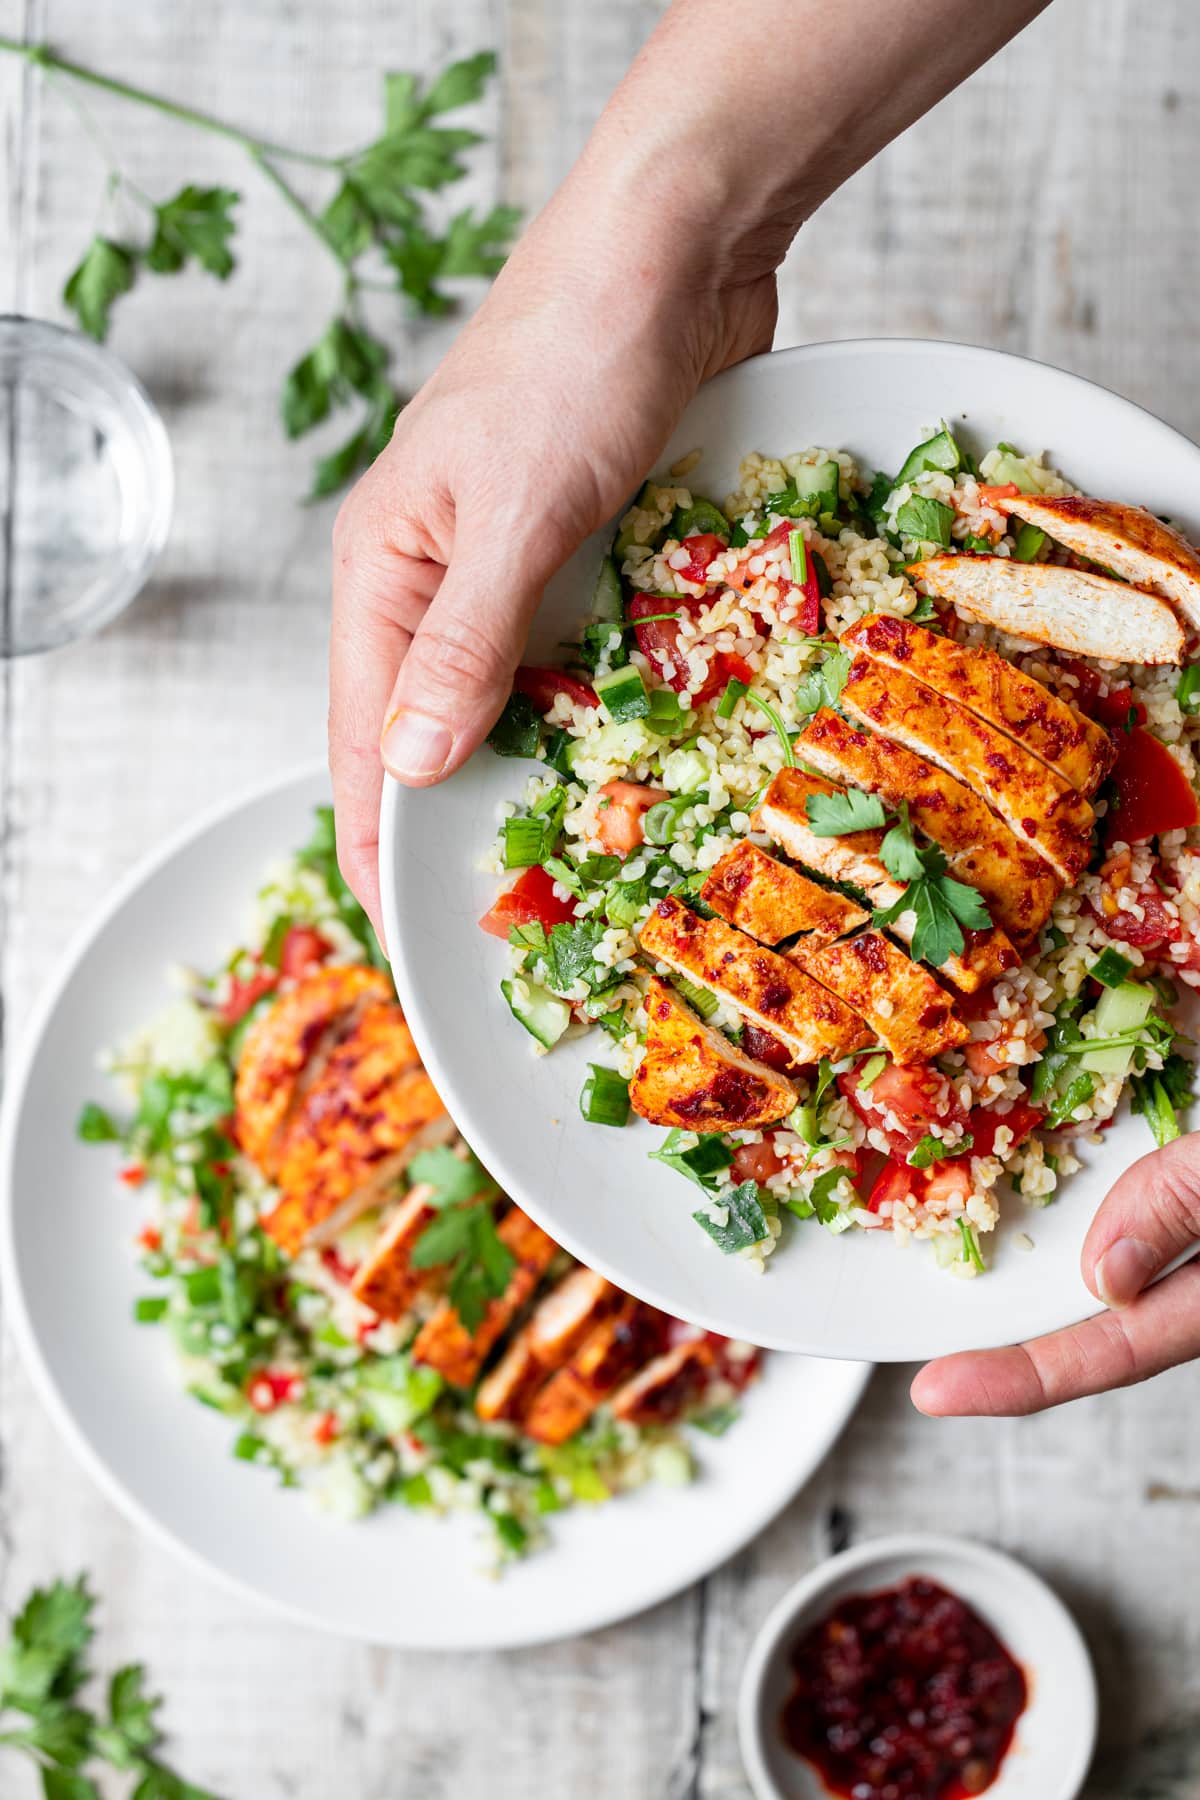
x,y
609,1354
1018,887
386,1281
1127,539
692,1077
1086,614
856,859
906,1008
771,901
444,1343
769,989
557,1327
667,1386
1037,803
990,687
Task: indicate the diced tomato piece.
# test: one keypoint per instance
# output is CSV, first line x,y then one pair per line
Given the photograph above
x,y
896,1180
916,1097
1152,792
133,1174
150,1237
739,1371
243,994
303,948
893,1182
622,807
756,1162
543,686
326,1428
1155,926
996,495
986,1055
1110,709
1021,1118
726,666
530,899
765,1047
273,1388
799,602
945,1180
658,638
702,549
338,1267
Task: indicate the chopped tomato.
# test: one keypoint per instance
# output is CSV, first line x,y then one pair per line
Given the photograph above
x,y
273,1388
704,548
893,1182
150,1237
133,1174
1152,792
1111,709
1021,1118
303,948
623,805
243,994
1155,926
531,899
756,1162
658,638
799,602
765,1047
915,1097
338,1267
543,686
326,1428
896,1181
986,1055
734,1367
946,1180
726,666
996,495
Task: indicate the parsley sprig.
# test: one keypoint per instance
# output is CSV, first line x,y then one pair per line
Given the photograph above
x,y
375,227
464,1233
43,1668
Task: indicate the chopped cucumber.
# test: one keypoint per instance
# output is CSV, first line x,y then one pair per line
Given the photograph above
x,y
816,486
626,538
1119,1009
623,695
665,715
608,602
1110,968
1010,467
702,516
938,452
544,1016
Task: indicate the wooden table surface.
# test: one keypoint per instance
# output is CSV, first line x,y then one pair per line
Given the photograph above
x,y
1048,208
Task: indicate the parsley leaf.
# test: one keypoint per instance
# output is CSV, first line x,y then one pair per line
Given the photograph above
x,y
197,223
464,1234
746,1224
823,685
344,361
43,1657
106,272
1160,1095
95,1126
833,815
942,905
453,1178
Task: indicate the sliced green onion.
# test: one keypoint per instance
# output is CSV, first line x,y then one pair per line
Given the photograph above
x,y
150,1309
777,724
824,581
604,1099
1110,968
524,842
661,821
729,699
870,1072
665,712
1028,542
798,547
970,1250
1187,691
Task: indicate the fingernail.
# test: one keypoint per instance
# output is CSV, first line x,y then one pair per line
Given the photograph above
x,y
1124,1270
414,747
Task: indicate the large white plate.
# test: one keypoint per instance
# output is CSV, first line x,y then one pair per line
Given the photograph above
x,y
70,1278
857,1295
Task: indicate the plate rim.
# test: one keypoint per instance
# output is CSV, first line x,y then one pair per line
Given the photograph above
x,y
24,1332
392,800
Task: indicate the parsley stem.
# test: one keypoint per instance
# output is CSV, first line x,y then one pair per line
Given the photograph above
x,y
288,193
43,57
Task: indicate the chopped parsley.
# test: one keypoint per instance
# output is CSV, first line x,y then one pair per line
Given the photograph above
x,y
942,905
746,1224
834,815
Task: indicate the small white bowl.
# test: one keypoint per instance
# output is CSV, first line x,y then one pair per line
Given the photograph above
x,y
1055,1735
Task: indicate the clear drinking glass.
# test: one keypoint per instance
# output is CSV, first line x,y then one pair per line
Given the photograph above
x,y
86,485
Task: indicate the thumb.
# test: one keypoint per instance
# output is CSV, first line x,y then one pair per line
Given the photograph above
x,y
1151,1216
457,673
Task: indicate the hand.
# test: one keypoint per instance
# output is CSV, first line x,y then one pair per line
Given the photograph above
x,y
1151,1216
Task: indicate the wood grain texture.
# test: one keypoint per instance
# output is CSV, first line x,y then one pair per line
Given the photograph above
x,y
1047,208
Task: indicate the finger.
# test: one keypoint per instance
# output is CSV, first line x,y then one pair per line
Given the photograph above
x,y
1151,1215
1113,1350
379,597
458,672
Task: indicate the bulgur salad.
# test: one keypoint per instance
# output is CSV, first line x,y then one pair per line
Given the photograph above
x,y
863,838
339,1275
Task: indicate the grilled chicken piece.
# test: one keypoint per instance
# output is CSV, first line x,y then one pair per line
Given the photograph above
x,y
371,1108
905,1007
445,1344
559,1324
387,1281
856,859
771,901
1128,539
285,1049
607,1355
692,1077
1038,804
769,989
1046,604
1018,887
666,1386
989,686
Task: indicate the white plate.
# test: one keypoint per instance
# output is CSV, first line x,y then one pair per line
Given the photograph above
x,y
857,1295
1056,1733
70,1278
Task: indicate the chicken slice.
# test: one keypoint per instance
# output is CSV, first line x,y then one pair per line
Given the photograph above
x,y
906,1008
771,901
855,858
606,1357
989,686
286,1048
1037,803
559,1324
1017,886
386,1281
1046,604
694,1078
444,1343
667,1386
1127,539
769,989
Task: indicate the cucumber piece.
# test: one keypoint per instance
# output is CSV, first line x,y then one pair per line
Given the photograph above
x,y
702,516
544,1016
1119,1009
608,602
937,452
623,695
816,486
1010,467
647,501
